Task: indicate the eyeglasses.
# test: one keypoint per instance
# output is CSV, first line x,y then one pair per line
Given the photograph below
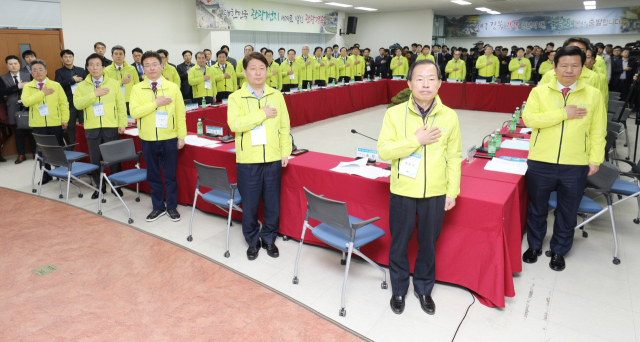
x,y
151,66
37,70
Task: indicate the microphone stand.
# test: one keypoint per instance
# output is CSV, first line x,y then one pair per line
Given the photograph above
x,y
227,138
369,160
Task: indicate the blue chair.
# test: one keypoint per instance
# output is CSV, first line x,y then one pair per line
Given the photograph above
x,y
341,231
115,152
628,188
601,182
222,194
65,169
51,140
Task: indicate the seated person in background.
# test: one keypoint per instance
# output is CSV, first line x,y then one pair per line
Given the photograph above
x,y
224,76
520,67
290,72
202,79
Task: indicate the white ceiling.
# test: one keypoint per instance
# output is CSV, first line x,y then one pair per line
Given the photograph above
x,y
446,7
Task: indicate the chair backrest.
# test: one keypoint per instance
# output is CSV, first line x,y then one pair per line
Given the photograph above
x,y
330,212
613,126
625,115
49,140
188,101
610,142
118,151
214,178
613,95
604,178
54,155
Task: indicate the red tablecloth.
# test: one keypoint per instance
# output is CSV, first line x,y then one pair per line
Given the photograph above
x,y
478,254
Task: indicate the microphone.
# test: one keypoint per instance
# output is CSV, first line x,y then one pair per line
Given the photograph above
x,y
293,144
483,149
356,132
227,138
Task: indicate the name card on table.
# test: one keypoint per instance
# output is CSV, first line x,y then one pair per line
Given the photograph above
x,y
515,82
293,90
376,78
397,78
366,153
225,101
471,154
452,80
214,130
191,106
478,81
314,87
352,82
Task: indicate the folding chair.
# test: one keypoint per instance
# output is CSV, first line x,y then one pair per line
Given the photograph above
x,y
614,95
222,194
610,145
628,188
51,140
602,182
621,117
115,152
341,231
65,169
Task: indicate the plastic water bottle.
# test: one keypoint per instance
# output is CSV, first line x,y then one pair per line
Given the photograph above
x,y
199,127
498,139
512,124
492,146
524,81
334,82
523,104
493,80
204,102
343,81
517,113
308,86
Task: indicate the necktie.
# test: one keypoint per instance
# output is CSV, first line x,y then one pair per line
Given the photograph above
x,y
16,79
97,84
40,85
289,63
140,71
119,68
223,67
565,91
153,86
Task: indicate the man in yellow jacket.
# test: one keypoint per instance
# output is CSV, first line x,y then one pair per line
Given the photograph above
x,y
306,66
100,99
421,138
569,123
592,65
344,66
258,115
358,64
48,105
224,76
547,65
332,72
239,74
290,72
159,107
168,71
456,68
399,65
320,76
273,79
122,72
520,67
425,54
488,65
201,78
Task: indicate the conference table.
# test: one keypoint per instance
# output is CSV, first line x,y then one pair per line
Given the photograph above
x,y
480,244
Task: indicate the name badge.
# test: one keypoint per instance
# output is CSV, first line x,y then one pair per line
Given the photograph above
x,y
122,88
98,109
44,110
207,84
520,71
409,165
73,88
259,135
292,77
162,119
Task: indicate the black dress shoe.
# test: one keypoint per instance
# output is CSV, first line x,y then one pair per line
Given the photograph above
x,y
531,255
272,250
174,215
155,215
426,303
96,195
557,262
119,192
46,179
252,252
2,160
397,304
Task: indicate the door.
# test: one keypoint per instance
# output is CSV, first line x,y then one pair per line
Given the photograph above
x,y
47,45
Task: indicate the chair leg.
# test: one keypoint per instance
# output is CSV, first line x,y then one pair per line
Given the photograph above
x,y
33,176
193,210
121,200
616,261
343,261
343,312
68,182
584,228
626,135
295,267
138,192
41,177
384,284
227,254
60,188
100,195
637,220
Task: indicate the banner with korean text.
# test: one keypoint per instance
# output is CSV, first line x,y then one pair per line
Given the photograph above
x,y
258,15
591,22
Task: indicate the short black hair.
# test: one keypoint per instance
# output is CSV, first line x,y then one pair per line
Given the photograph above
x,y
150,54
223,47
219,52
529,47
342,48
419,45
386,50
600,46
520,49
617,47
505,49
10,57
552,44
569,51
609,45
335,45
200,53
294,51
38,61
95,55
163,51
185,51
426,46
438,45
367,49
263,48
205,50
99,43
281,49
29,53
66,52
421,62
269,50
405,48
136,50
118,47
414,44
254,55
316,49
381,48
252,49
584,41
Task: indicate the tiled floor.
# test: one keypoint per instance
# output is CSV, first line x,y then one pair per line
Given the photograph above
x,y
592,300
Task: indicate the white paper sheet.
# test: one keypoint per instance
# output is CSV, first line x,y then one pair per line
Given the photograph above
x,y
506,166
132,132
516,145
194,140
526,130
360,168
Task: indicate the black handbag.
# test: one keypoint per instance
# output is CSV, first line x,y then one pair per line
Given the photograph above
x,y
22,118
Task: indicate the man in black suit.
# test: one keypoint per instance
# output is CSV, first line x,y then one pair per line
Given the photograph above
x,y
183,72
416,53
12,84
137,57
383,63
439,57
536,60
622,71
28,56
101,49
282,58
369,64
504,59
69,76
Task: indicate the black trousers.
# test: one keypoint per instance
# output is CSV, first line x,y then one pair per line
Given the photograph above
x,y
321,83
358,78
402,222
222,95
569,182
95,137
345,78
306,84
161,158
288,87
57,131
20,142
260,182
208,99
75,116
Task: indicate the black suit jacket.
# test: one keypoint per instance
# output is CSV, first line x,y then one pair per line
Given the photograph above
x,y
183,72
440,60
280,60
616,70
383,68
64,76
141,75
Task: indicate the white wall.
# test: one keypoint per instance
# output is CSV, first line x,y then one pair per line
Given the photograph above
x,y
376,30
615,39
